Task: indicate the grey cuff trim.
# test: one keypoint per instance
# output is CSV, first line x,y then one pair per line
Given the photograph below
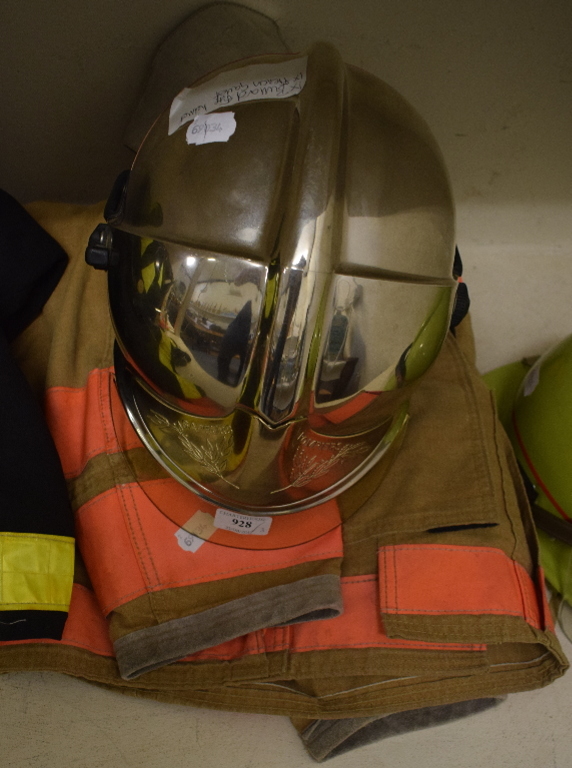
x,y
317,597
328,738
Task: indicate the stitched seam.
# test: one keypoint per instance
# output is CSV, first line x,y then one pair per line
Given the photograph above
x,y
81,644
395,583
81,464
143,571
77,473
413,644
37,606
298,561
38,536
504,475
386,595
135,544
458,611
103,402
185,582
49,578
144,537
77,470
529,609
448,548
95,373
97,499
471,399
67,641
397,644
520,591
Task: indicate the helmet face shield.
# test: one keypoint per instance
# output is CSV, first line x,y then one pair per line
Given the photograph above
x,y
277,294
263,415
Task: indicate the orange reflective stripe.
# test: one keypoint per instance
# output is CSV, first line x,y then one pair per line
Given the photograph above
x,y
80,421
85,626
360,625
130,548
436,579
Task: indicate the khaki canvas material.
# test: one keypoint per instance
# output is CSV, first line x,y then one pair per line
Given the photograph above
x,y
268,633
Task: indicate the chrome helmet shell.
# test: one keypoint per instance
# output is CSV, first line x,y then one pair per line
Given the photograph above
x,y
281,276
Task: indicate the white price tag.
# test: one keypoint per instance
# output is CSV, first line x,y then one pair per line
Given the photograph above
x,y
188,541
247,525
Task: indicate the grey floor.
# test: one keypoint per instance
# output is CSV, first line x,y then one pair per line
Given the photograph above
x,y
494,81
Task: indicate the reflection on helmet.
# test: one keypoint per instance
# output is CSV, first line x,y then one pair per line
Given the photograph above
x,y
278,291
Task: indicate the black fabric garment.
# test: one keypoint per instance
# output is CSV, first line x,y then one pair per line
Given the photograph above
x,y
33,494
462,300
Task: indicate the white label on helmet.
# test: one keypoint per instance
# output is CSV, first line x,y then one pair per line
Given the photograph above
x,y
246,525
531,381
206,129
257,81
188,541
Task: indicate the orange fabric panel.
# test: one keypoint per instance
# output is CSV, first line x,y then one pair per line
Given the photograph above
x,y
110,555
436,579
247,645
130,548
360,625
85,626
80,422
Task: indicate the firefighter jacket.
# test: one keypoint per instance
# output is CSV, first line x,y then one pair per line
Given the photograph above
x,y
36,524
427,597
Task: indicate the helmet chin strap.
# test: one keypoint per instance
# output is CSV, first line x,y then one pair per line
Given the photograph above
x,y
211,37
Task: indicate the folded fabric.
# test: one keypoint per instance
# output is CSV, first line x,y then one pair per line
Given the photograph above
x,y
36,523
428,596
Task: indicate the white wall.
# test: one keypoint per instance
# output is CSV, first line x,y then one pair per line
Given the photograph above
x,y
492,77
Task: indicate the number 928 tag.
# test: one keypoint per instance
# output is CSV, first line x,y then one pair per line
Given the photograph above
x,y
246,525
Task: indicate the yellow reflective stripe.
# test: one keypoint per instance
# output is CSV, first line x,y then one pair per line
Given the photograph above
x,y
145,243
36,571
165,350
148,275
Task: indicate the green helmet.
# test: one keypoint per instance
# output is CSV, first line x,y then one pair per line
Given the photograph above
x,y
542,426
535,404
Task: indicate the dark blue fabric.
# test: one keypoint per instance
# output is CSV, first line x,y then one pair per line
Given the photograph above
x,y
33,492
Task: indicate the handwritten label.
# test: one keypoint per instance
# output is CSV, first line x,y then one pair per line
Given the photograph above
x,y
206,129
246,525
257,81
188,541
